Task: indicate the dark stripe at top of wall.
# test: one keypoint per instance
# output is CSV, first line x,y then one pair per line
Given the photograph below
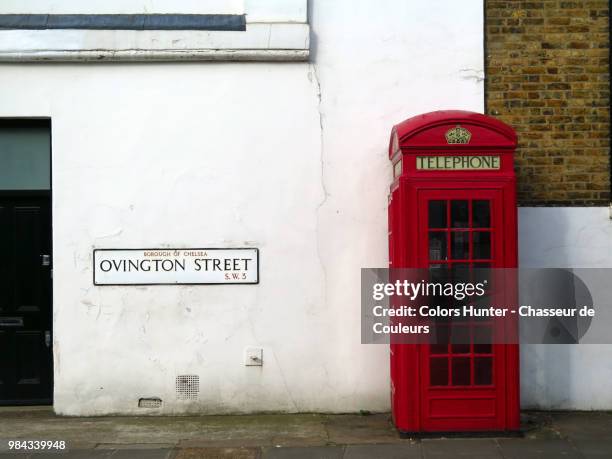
x,y
232,22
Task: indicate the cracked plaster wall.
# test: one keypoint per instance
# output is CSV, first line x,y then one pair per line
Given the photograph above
x,y
290,158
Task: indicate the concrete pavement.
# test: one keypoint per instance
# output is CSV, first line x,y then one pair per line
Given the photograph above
x,y
547,435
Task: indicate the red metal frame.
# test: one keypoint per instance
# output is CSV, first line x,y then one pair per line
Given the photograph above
x,y
418,406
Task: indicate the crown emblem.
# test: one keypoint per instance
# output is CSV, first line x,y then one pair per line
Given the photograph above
x,y
458,135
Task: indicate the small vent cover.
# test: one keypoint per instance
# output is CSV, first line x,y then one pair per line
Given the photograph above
x,y
149,403
187,387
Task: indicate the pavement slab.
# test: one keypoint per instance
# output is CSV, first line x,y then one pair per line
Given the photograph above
x,y
565,435
461,448
393,451
538,449
349,429
218,453
312,452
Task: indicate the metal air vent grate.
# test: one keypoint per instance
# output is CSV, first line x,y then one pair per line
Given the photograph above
x,y
149,403
187,387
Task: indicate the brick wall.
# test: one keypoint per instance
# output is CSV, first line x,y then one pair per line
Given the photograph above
x,y
548,76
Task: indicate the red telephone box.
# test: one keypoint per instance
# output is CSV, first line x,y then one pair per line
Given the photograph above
x,y
452,204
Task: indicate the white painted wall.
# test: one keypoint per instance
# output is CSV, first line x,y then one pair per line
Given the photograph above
x,y
290,158
276,10
377,64
256,10
277,30
566,376
122,6
260,42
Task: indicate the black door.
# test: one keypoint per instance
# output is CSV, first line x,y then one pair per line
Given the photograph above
x,y
25,300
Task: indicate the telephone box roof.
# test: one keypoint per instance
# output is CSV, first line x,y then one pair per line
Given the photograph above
x,y
428,131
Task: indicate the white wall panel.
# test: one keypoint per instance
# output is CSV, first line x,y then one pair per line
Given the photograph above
x,y
121,6
276,10
289,158
566,376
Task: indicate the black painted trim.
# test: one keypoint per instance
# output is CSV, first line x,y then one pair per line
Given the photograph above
x,y
223,22
462,434
25,123
27,402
